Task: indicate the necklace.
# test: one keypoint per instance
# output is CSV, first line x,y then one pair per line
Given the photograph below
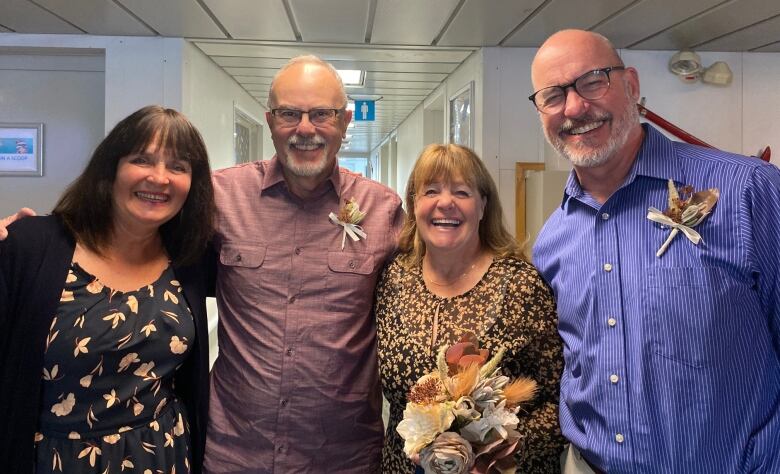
x,y
456,280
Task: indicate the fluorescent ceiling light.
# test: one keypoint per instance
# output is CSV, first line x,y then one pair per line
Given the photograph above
x,y
351,77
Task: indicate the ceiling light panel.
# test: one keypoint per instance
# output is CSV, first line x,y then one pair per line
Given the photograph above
x,y
351,77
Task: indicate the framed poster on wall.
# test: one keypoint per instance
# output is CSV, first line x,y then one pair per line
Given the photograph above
x,y
462,116
21,149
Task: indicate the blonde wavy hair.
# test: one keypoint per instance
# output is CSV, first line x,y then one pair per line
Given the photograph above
x,y
447,163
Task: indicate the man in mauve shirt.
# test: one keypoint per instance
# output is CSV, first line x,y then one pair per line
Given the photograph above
x,y
295,387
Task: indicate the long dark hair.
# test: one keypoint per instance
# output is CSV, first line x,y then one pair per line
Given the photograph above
x,y
86,207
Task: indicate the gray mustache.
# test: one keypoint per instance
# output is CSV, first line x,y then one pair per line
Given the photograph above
x,y
570,124
306,141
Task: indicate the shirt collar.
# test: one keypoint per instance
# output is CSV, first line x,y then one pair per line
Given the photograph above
x,y
656,159
335,178
275,176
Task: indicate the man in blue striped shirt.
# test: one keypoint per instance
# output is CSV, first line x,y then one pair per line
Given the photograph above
x,y
672,362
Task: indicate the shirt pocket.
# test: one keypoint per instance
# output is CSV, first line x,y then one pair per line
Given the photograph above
x,y
241,272
686,309
351,277
242,255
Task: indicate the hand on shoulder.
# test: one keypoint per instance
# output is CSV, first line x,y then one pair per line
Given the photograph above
x,y
6,221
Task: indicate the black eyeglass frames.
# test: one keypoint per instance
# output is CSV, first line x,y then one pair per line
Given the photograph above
x,y
316,116
590,86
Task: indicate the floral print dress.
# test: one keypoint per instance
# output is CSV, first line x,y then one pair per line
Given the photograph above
x,y
510,306
107,400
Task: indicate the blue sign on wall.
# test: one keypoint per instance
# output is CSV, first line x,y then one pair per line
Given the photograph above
x,y
364,110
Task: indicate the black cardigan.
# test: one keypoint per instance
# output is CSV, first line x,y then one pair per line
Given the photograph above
x,y
34,263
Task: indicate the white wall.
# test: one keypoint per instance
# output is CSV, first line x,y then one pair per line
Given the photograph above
x,y
208,98
268,145
761,103
512,126
433,120
481,69
410,143
711,113
138,70
411,132
741,118
168,71
65,93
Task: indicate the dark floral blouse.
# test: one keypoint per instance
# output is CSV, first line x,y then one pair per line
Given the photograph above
x,y
510,306
107,402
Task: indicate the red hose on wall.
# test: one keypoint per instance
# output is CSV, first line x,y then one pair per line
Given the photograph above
x,y
682,134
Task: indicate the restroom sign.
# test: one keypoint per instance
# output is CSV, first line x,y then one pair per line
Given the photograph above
x,y
364,110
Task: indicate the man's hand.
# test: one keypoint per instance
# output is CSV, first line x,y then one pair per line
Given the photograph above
x,y
6,221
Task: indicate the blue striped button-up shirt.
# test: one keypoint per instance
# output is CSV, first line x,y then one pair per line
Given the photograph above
x,y
672,363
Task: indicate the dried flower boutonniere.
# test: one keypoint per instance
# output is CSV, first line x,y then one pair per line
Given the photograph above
x,y
349,217
686,210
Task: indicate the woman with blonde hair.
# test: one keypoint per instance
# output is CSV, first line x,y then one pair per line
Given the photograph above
x,y
459,271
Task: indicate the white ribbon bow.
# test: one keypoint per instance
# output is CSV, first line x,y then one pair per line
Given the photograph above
x,y
657,216
354,231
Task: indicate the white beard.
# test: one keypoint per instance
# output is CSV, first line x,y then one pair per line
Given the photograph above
x,y
584,155
305,168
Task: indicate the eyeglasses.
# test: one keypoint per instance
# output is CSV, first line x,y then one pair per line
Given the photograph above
x,y
316,116
590,86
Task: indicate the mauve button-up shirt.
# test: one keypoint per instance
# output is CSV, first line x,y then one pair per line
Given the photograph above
x,y
295,387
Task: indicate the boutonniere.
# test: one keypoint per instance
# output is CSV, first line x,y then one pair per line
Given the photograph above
x,y
349,217
687,209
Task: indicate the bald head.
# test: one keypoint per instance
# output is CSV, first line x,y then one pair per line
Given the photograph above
x,y
599,130
569,48
308,65
307,146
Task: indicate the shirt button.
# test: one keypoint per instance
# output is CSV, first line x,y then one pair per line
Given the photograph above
x,y
607,267
283,402
352,264
291,299
614,378
297,251
605,216
619,438
611,322
280,448
238,257
289,352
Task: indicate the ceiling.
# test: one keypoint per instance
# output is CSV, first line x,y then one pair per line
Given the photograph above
x,y
406,47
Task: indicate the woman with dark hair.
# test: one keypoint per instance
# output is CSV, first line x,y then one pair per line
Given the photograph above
x,y
103,345
459,271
